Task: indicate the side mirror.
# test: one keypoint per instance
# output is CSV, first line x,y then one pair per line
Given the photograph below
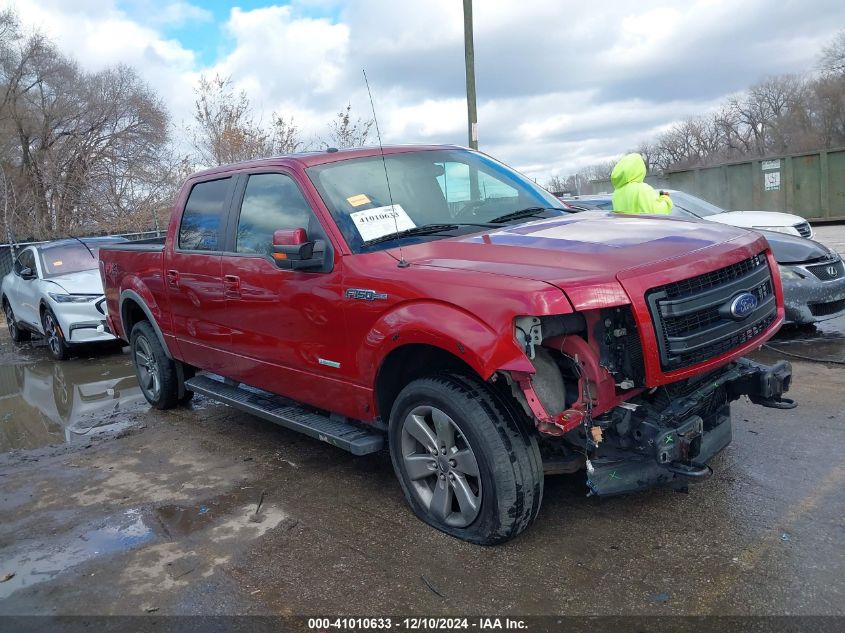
x,y
27,273
293,251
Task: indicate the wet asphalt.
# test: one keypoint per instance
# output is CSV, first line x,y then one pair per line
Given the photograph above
x,y
108,507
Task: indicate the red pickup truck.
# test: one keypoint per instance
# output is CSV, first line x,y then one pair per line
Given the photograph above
x,y
434,299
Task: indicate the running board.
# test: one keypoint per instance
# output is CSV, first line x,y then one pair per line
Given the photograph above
x,y
290,415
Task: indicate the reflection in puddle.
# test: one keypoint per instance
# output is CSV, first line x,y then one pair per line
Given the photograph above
x,y
47,402
45,561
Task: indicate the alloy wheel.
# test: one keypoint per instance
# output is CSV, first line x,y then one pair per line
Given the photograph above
x,y
441,467
149,375
10,321
53,334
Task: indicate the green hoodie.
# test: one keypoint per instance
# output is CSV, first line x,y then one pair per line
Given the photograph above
x,y
631,194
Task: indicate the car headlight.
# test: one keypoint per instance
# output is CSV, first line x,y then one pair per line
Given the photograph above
x,y
789,230
65,298
789,273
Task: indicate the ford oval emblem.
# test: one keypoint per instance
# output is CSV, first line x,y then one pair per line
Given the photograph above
x,y
743,305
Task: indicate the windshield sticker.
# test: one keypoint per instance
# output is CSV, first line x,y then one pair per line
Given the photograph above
x,y
380,221
58,263
357,201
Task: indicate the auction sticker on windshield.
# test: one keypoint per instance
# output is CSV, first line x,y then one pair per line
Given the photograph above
x,y
373,223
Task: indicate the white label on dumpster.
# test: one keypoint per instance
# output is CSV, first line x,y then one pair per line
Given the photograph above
x,y
373,223
771,180
770,164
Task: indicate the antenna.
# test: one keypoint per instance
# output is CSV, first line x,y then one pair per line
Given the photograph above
x,y
402,262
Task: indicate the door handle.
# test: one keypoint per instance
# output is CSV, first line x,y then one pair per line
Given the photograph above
x,y
173,278
232,285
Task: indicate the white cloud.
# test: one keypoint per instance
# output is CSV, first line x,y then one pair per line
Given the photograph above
x,y
180,13
560,85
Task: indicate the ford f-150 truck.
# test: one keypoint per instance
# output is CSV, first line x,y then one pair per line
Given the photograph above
x,y
432,298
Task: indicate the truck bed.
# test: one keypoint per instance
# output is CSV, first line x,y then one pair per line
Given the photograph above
x,y
133,266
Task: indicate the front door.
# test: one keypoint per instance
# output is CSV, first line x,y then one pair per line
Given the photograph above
x,y
287,326
193,276
24,296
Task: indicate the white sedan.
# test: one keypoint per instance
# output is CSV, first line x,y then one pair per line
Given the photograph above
x,y
759,220
55,291
689,206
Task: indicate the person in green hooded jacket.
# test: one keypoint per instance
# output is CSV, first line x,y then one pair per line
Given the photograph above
x,y
630,194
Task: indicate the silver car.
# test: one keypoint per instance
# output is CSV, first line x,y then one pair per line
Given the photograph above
x,y
55,291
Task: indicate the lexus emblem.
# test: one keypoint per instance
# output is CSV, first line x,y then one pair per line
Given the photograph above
x,y
832,271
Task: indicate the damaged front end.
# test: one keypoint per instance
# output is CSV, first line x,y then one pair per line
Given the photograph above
x,y
673,431
589,399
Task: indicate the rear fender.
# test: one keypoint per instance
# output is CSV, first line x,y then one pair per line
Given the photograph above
x,y
447,327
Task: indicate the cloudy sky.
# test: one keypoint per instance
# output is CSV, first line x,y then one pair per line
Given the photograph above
x,y
560,84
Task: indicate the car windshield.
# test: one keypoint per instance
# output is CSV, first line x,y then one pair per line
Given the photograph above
x,y
694,205
457,187
70,258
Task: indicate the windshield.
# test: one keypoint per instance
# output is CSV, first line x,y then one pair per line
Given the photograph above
x,y
455,187
696,206
72,258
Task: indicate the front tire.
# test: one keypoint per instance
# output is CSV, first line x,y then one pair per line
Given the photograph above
x,y
56,344
17,334
466,464
156,372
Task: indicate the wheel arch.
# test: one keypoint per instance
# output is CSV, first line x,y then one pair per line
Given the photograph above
x,y
408,362
134,309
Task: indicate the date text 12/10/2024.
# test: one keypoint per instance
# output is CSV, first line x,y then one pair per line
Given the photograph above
x,y
416,624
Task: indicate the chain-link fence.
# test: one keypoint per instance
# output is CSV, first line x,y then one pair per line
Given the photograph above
x,y
8,252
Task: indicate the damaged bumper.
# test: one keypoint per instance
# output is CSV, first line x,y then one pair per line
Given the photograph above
x,y
808,299
674,444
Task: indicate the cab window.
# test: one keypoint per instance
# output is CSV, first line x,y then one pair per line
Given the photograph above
x,y
271,202
201,219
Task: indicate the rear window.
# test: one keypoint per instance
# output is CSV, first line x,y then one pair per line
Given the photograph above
x,y
201,219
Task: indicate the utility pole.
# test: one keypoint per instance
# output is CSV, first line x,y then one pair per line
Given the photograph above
x,y
469,59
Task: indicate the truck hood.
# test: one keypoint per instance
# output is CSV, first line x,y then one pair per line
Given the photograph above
x,y
586,250
85,282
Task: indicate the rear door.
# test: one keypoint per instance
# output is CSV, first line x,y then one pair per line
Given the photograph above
x,y
193,276
287,326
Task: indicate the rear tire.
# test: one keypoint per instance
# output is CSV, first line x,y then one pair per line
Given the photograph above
x,y
156,372
17,334
466,464
56,344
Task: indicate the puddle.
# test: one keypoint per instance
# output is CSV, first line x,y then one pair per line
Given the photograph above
x,y
44,561
181,520
822,341
47,402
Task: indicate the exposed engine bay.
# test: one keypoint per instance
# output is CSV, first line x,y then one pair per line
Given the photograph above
x,y
589,399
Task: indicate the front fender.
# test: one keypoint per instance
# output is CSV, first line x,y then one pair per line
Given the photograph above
x,y
440,325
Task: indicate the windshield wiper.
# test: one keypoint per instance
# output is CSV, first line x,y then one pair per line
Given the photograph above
x,y
425,229
86,246
524,213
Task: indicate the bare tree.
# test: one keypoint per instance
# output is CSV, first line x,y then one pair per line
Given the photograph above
x,y
832,58
72,140
557,184
286,136
225,130
344,132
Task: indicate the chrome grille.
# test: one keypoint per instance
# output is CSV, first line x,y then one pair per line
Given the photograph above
x,y
828,270
804,229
